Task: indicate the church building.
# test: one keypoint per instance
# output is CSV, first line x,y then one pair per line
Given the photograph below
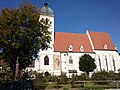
x,y
67,48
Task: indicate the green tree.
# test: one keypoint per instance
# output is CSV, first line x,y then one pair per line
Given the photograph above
x,y
22,35
87,63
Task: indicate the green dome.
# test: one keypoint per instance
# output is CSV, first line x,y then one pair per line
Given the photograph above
x,y
45,10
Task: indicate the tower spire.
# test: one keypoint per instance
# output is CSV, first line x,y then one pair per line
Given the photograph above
x,y
45,1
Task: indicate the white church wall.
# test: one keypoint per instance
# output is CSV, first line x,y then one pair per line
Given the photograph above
x,y
39,62
44,67
109,65
67,65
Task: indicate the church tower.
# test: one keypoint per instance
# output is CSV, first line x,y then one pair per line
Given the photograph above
x,y
44,62
47,13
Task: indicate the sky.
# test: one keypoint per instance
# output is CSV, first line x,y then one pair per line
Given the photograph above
x,y
77,16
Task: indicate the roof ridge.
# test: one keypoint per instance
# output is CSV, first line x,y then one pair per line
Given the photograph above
x,y
71,33
96,32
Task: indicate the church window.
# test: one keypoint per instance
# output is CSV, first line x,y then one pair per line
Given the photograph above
x,y
70,48
81,48
70,60
114,63
46,60
105,46
106,62
99,62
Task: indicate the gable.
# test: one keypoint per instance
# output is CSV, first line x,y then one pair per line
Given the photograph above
x,y
101,41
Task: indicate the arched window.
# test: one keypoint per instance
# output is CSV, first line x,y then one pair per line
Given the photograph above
x,y
113,63
99,62
106,62
46,60
70,60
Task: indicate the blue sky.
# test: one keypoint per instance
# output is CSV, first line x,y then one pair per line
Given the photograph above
x,y
77,16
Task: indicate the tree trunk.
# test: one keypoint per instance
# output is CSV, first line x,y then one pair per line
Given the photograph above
x,y
13,66
87,72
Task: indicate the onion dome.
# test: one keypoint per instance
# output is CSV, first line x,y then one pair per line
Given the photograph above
x,y
45,10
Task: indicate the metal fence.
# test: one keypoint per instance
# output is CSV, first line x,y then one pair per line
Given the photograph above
x,y
82,85
17,85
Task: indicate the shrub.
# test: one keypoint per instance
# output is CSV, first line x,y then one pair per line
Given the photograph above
x,y
83,76
5,73
103,75
39,81
52,78
63,78
73,79
112,76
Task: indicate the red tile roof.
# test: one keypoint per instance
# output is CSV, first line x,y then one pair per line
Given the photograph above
x,y
99,39
64,40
